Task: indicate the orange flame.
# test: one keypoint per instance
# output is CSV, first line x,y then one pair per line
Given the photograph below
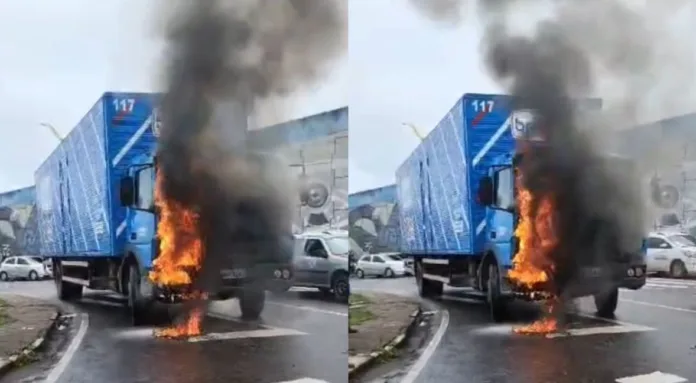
x,y
180,256
537,241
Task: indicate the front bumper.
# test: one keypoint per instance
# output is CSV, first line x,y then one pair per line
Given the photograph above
x,y
268,276
591,281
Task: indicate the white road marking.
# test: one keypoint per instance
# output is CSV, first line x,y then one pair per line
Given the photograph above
x,y
429,350
681,309
58,370
265,333
618,329
651,285
305,380
307,308
655,377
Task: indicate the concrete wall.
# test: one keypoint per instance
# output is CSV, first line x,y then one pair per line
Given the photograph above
x,y
374,220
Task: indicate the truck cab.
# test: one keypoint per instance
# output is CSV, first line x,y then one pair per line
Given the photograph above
x,y
247,282
498,193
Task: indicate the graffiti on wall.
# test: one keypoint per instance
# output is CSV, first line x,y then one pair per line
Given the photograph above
x,y
374,220
316,150
18,224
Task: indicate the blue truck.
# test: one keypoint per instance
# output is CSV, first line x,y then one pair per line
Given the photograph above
x,y
456,193
98,223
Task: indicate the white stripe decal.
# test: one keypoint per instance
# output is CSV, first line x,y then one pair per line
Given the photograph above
x,y
122,153
121,228
480,227
492,140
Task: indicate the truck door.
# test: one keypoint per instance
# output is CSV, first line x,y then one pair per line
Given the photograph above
x,y
500,216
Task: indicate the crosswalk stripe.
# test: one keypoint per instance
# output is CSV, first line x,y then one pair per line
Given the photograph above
x,y
305,380
666,286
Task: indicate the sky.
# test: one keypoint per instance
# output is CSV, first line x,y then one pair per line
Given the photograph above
x,y
58,57
404,69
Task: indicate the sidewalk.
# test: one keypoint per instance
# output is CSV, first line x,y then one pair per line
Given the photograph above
x,y
24,322
378,323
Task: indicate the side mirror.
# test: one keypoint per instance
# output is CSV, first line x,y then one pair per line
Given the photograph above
x,y
127,191
485,191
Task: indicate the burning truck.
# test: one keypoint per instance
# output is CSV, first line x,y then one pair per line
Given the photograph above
x,y
106,223
484,205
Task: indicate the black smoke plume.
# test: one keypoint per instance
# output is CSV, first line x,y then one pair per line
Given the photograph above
x,y
224,59
566,57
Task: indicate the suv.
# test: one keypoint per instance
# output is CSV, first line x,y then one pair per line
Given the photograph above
x,y
320,259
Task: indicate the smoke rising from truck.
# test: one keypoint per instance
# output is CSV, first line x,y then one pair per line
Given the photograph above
x,y
224,59
581,49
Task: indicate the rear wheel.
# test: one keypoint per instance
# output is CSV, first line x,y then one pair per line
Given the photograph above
x,y
33,275
341,287
606,302
389,273
251,302
677,269
426,287
66,291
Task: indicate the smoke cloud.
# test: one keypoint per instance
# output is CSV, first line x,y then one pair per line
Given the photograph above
x,y
583,49
225,59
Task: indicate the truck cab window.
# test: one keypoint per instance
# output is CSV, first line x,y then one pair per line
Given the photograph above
x,y
503,182
145,189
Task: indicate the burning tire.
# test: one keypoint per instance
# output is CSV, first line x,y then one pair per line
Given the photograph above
x,y
251,302
496,303
66,291
606,303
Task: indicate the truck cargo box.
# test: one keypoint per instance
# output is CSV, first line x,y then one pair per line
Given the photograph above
x,y
437,184
79,213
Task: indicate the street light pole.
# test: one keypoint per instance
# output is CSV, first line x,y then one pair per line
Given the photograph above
x,y
415,130
52,129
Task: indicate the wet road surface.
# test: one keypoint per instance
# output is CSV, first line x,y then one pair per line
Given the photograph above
x,y
301,336
654,332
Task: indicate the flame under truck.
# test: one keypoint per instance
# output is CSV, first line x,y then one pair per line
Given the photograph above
x,y
98,222
457,192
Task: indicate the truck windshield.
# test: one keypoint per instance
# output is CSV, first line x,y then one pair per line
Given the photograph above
x,y
338,245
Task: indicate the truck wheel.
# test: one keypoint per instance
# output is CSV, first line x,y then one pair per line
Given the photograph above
x,y
426,287
251,302
66,291
496,303
341,287
606,302
677,269
137,305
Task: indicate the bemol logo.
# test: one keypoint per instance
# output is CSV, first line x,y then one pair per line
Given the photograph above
x,y
156,122
523,122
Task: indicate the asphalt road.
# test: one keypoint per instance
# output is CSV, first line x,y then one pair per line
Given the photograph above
x,y
654,332
301,337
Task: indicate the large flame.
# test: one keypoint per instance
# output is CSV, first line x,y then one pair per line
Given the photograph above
x,y
180,256
537,240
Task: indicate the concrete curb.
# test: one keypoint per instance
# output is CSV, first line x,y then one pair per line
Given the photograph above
x,y
7,364
361,362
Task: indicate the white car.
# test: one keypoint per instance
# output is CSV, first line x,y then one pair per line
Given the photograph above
x,y
387,265
671,253
22,267
320,260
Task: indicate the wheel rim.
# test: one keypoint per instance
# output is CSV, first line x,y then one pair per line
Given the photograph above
x,y
33,276
678,270
360,274
341,288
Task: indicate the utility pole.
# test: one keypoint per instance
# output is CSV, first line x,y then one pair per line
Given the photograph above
x,y
414,129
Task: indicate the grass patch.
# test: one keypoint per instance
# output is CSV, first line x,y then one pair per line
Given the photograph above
x,y
359,315
4,318
358,299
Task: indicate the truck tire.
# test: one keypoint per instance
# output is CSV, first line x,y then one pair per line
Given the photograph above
x,y
138,307
496,303
251,302
66,291
340,285
426,287
606,302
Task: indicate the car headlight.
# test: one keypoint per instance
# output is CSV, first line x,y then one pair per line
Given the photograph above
x,y
690,253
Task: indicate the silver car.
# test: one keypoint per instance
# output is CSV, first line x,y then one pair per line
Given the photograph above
x,y
320,259
22,267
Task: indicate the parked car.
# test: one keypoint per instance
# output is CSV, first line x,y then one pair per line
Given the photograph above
x,y
386,265
46,262
671,253
321,260
22,267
